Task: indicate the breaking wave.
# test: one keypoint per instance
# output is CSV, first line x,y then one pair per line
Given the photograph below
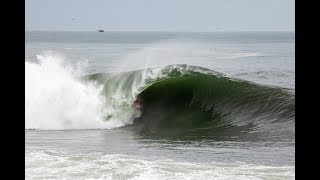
x,y
176,99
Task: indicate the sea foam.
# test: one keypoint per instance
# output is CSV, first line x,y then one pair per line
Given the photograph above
x,y
56,98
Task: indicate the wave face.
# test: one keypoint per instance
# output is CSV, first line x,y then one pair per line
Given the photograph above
x,y
177,100
186,100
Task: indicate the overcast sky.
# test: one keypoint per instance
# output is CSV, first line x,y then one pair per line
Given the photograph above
x,y
161,15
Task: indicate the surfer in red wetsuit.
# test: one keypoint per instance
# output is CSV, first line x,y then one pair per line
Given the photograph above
x,y
137,104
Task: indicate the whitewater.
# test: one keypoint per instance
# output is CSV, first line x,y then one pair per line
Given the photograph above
x,y
215,105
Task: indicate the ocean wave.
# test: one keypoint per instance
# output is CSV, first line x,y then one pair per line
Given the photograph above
x,y
176,99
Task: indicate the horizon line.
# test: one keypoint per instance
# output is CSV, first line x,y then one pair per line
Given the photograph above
x,y
168,31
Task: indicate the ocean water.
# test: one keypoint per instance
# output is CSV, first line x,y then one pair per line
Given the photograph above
x,y
215,105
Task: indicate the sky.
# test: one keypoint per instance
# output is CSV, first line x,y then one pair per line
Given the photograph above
x,y
160,15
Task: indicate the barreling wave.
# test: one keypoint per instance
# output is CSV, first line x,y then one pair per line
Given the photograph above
x,y
182,99
177,99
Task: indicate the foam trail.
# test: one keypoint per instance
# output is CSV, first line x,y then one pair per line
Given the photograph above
x,y
120,166
57,99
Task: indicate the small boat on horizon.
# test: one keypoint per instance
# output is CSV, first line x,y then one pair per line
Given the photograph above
x,y
100,30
